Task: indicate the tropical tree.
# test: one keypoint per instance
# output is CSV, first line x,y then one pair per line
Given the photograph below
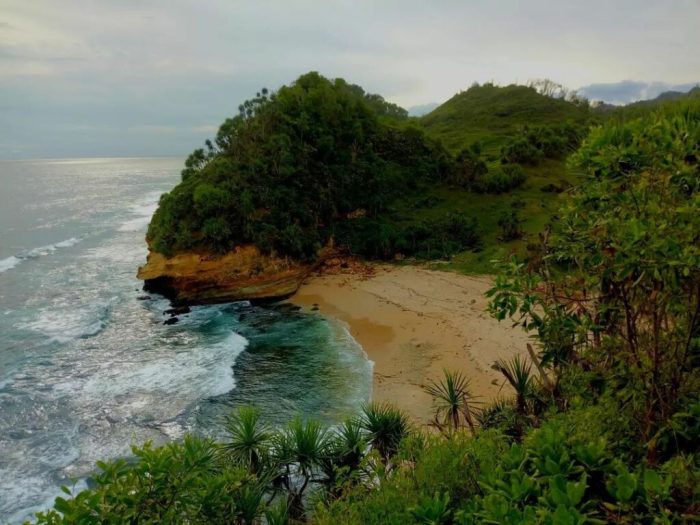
x,y
517,373
618,289
347,446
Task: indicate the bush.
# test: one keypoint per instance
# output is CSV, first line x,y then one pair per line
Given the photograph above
x,y
533,145
510,223
428,239
469,166
507,178
521,151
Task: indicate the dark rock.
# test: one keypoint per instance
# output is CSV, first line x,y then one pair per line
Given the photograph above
x,y
178,310
143,298
172,320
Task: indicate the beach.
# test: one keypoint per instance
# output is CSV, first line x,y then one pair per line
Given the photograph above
x,y
414,322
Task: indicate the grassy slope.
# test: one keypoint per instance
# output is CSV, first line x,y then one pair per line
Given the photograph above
x,y
490,115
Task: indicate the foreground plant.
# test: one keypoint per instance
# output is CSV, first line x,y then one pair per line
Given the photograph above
x,y
249,440
454,402
386,426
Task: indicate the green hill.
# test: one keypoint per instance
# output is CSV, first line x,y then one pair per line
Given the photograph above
x,y
643,107
499,118
490,114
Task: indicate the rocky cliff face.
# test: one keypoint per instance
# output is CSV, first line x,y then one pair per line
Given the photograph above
x,y
241,275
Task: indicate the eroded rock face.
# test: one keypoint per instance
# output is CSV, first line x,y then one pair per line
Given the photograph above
x,y
241,275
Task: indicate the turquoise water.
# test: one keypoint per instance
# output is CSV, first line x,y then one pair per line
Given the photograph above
x,y
87,366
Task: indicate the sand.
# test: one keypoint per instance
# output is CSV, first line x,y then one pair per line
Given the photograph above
x,y
413,323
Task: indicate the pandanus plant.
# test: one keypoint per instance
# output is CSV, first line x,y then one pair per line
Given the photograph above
x,y
300,449
348,445
249,439
455,402
386,427
517,374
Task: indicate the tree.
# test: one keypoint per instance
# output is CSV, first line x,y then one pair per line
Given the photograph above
x,y
249,440
300,450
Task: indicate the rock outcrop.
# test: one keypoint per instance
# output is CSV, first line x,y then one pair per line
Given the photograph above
x,y
244,274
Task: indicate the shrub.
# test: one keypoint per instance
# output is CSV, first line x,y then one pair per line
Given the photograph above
x,y
508,177
534,144
469,166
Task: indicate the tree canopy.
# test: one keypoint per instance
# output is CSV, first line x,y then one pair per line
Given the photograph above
x,y
292,167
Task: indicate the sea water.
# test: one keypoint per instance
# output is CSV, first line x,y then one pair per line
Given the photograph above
x,y
87,366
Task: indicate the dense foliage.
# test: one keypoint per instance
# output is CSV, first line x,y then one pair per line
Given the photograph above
x,y
532,145
604,425
292,168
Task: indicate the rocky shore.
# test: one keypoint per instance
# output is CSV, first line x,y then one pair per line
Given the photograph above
x,y
244,274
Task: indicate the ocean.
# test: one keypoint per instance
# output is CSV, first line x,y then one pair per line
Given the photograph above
x,y
87,366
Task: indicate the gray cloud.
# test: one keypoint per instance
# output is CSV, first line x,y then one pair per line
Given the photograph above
x,y
630,90
125,77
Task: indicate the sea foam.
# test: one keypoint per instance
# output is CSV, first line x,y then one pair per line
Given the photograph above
x,y
142,213
9,263
34,253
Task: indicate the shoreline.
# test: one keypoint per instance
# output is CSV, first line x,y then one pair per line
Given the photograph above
x,y
413,323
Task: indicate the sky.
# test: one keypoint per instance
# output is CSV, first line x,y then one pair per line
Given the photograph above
x,y
149,78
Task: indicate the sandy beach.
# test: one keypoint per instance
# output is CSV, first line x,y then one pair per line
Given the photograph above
x,y
413,323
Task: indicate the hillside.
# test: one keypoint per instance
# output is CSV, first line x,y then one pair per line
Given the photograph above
x,y
496,117
489,114
642,107
312,168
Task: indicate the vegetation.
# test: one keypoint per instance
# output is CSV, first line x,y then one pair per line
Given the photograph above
x,y
602,422
296,168
607,430
321,161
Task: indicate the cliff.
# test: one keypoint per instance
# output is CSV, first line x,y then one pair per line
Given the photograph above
x,y
241,275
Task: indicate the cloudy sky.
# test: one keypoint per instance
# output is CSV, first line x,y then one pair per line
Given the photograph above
x,y
127,77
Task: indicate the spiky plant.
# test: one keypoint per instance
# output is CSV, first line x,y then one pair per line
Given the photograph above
x,y
248,503
348,444
386,426
455,403
518,374
277,514
249,438
300,449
